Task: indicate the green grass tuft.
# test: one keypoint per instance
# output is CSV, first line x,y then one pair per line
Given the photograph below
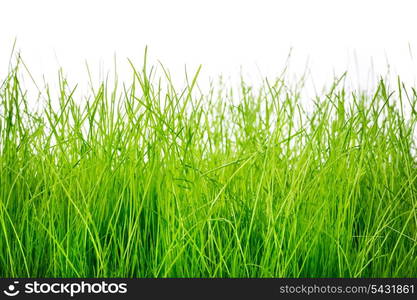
x,y
149,180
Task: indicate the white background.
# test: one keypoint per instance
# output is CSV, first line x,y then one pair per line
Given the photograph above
x,y
360,36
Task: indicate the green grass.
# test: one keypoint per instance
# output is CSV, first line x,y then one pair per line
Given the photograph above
x,y
146,179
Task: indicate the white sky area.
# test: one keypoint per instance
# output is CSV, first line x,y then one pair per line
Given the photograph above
x,y
360,36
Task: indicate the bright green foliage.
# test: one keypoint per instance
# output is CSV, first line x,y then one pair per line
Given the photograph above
x,y
147,180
